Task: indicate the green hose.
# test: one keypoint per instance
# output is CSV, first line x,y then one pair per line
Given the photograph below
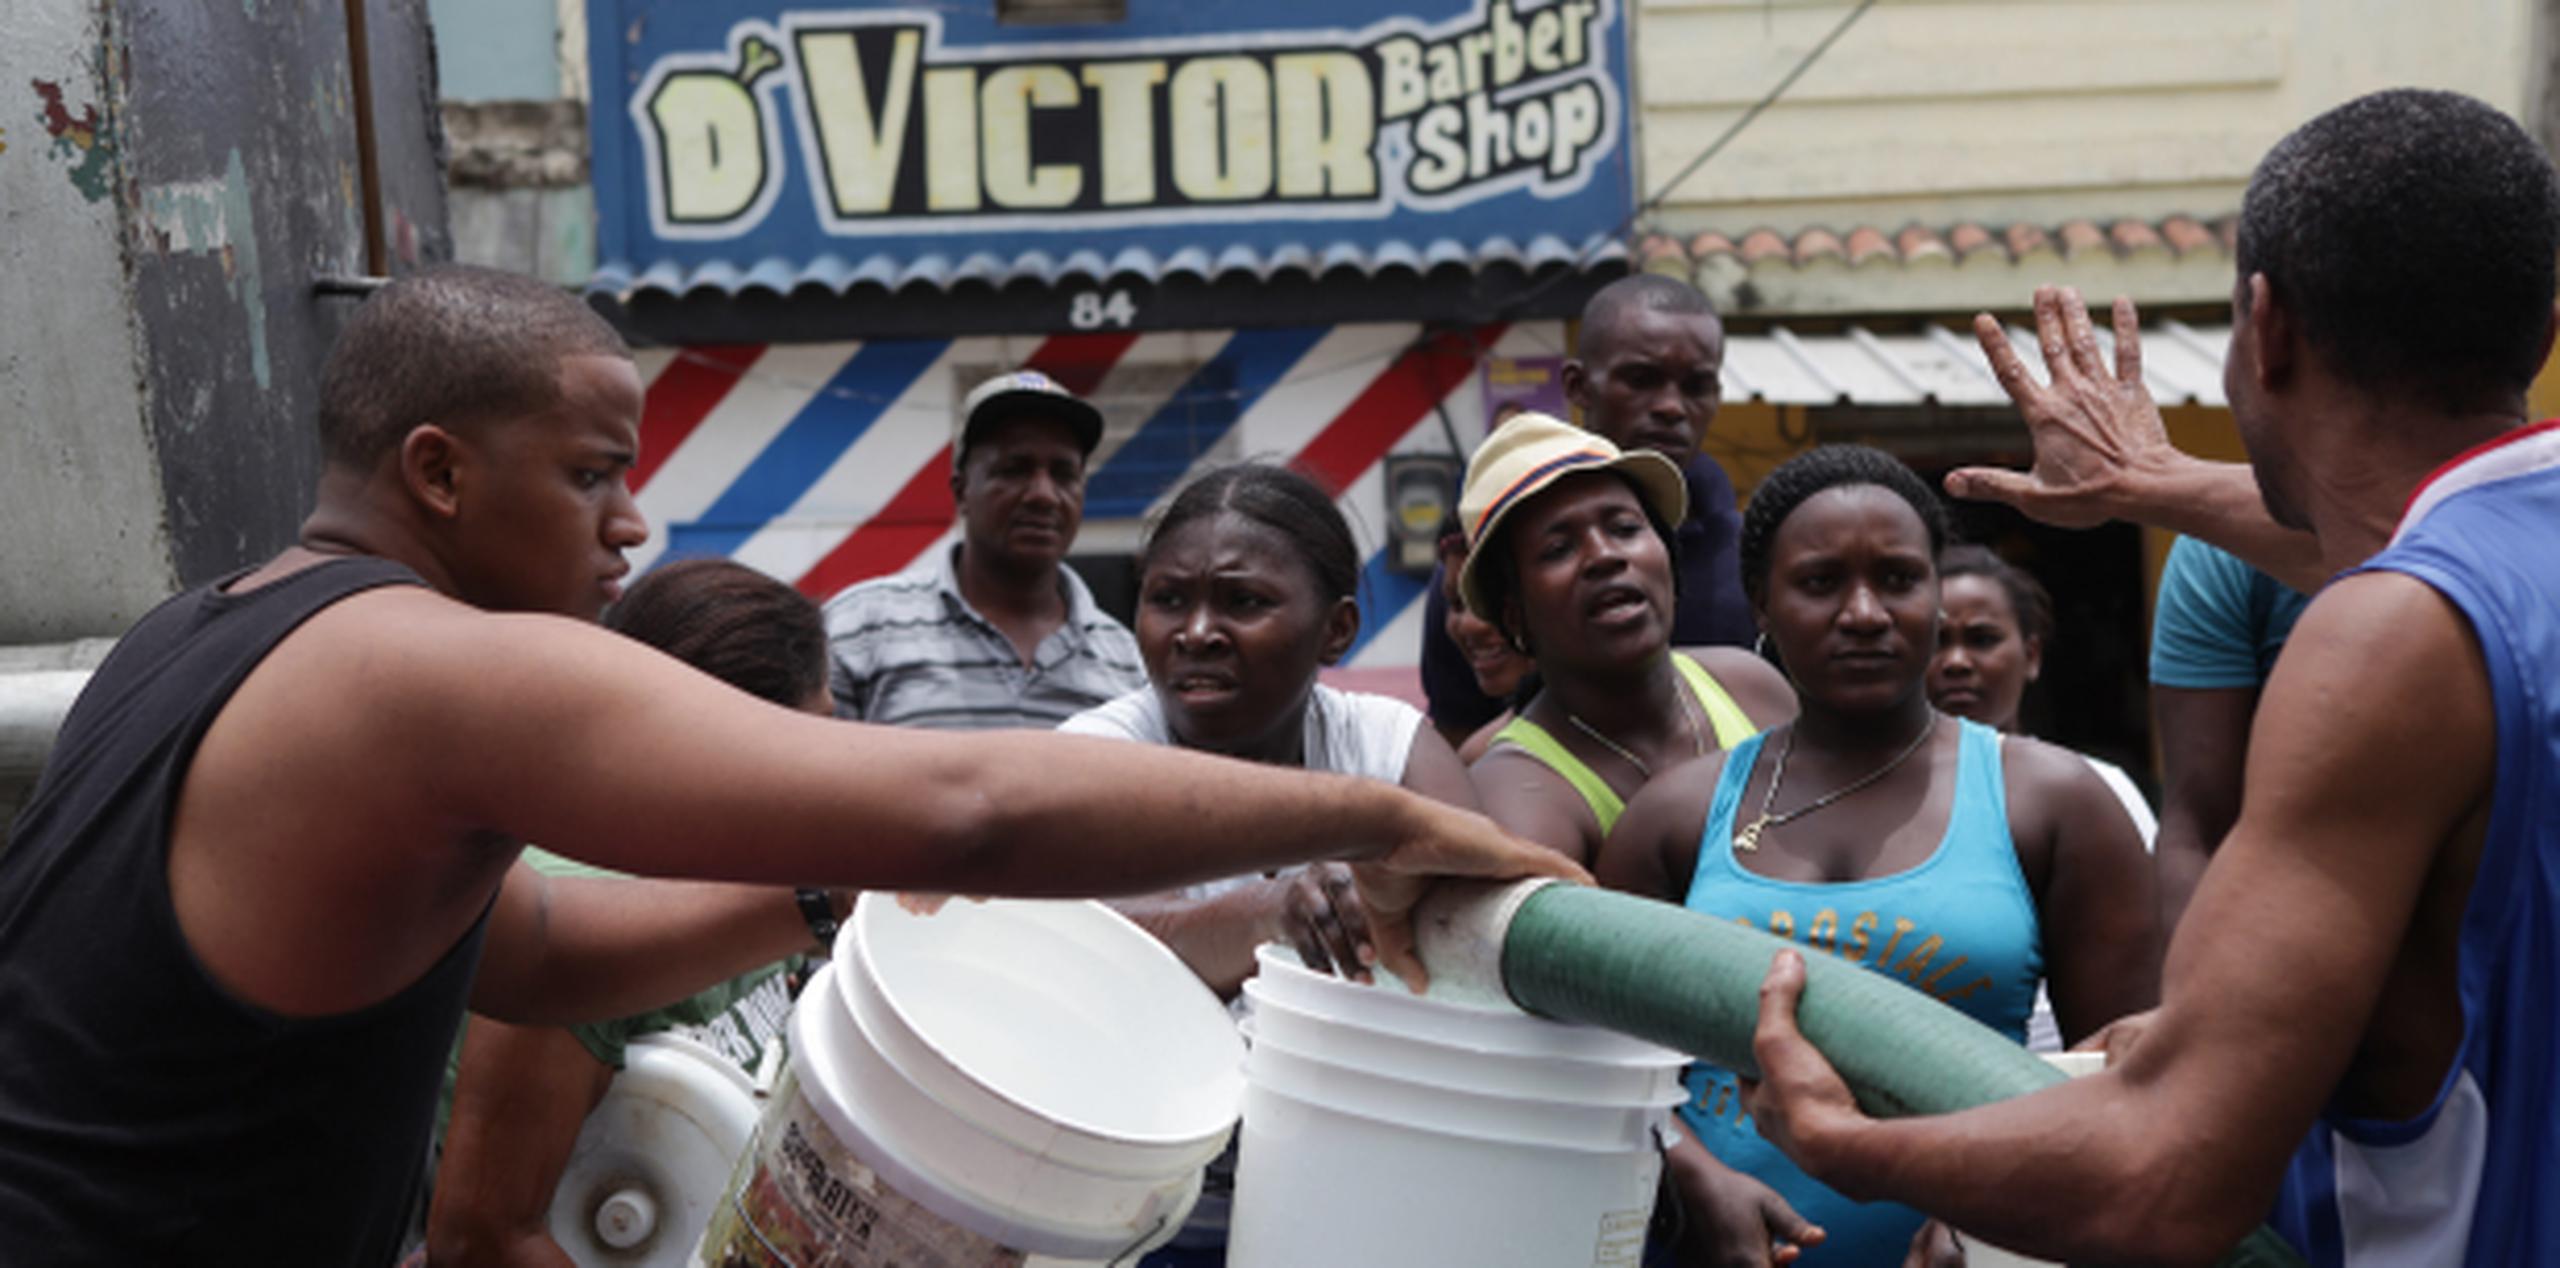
x,y
1666,974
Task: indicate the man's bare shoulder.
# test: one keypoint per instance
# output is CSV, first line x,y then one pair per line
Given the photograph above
x,y
405,678
2378,710
2379,621
397,638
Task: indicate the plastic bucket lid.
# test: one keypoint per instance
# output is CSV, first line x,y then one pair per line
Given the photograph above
x,y
1058,1026
1389,1007
1457,1064
1447,1111
960,1172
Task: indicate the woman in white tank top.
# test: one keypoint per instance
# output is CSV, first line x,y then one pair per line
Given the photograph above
x,y
1246,590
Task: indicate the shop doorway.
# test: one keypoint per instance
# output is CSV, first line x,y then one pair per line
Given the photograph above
x,y
2093,694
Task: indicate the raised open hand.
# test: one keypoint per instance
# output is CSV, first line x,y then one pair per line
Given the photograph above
x,y
2095,428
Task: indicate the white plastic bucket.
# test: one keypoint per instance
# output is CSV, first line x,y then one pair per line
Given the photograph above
x,y
1461,1065
992,1080
1383,1130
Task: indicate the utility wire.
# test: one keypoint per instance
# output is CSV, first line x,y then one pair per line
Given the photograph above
x,y
1512,305
1767,100
1663,193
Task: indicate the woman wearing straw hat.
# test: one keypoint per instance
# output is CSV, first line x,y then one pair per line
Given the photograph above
x,y
1568,555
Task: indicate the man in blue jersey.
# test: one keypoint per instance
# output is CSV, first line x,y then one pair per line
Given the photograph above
x,y
2360,1019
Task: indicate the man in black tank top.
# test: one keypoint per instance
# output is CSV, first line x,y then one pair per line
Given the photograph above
x,y
273,856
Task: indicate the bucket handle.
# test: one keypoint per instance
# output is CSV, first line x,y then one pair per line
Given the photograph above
x,y
1129,1253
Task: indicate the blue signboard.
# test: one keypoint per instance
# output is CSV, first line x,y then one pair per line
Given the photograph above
x,y
753,141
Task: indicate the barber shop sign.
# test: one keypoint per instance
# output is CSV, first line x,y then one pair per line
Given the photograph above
x,y
788,131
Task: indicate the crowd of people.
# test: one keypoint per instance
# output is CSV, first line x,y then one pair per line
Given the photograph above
x,y
280,840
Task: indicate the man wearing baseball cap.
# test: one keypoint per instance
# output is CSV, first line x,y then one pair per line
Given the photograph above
x,y
995,631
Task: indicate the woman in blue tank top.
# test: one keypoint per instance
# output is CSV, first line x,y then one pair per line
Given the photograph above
x,y
1876,829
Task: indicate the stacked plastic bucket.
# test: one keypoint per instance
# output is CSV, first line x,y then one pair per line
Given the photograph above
x,y
988,1081
1388,1129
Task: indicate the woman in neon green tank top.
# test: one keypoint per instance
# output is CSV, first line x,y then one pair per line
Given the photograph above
x,y
1568,553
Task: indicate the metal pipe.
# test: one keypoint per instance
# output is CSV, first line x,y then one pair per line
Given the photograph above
x,y
368,161
32,706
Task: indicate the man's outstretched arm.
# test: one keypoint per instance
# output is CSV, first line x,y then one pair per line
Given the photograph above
x,y
547,730
2375,744
2102,453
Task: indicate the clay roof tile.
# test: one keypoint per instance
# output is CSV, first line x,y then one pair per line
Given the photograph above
x,y
1813,244
2026,239
1866,242
1657,248
2186,234
1763,244
2130,236
1919,243
2080,237
1708,245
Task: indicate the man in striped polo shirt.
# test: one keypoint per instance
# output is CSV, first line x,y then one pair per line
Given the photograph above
x,y
996,631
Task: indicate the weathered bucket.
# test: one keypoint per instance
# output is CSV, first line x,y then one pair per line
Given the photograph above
x,y
991,1082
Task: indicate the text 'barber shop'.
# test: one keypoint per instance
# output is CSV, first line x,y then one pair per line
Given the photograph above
x,y
899,131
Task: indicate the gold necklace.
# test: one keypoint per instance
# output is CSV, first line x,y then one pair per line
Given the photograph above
x,y
1688,714
1748,840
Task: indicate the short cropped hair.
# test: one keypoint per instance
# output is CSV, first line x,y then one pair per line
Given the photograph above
x,y
1638,292
452,345
731,622
2412,235
1817,470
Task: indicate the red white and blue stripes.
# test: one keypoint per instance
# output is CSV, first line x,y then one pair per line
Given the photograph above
x,y
824,464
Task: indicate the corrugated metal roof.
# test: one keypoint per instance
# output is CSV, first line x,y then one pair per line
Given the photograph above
x,y
892,272
2182,365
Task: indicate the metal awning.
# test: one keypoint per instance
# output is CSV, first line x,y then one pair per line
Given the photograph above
x,y
1938,366
892,272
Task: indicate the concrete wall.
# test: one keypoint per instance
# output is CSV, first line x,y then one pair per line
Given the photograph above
x,y
83,539
1940,111
192,173
514,99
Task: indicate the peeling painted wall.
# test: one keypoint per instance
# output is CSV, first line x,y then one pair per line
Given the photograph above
x,y
83,545
175,176
240,125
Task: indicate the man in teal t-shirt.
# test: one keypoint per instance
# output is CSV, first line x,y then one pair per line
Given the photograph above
x,y
739,1019
2215,633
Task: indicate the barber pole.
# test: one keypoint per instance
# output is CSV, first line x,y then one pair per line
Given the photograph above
x,y
825,464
